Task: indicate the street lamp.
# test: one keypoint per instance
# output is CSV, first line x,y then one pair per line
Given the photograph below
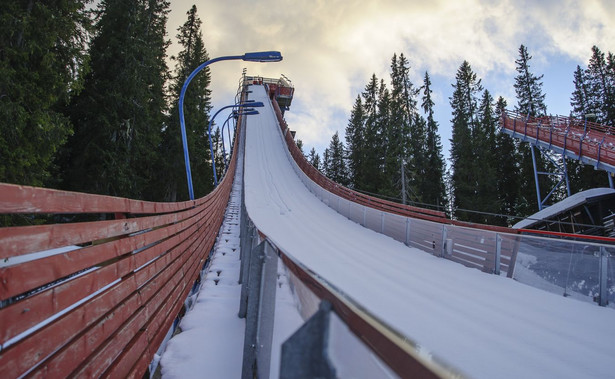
x,y
261,56
234,114
251,104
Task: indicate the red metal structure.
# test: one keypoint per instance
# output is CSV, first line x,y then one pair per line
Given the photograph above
x,y
588,142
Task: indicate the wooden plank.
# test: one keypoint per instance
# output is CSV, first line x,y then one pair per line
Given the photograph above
x,y
16,199
26,313
30,275
110,316
16,241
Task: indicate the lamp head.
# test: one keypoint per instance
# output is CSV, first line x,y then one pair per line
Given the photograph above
x,y
263,56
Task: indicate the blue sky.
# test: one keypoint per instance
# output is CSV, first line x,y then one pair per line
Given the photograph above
x,y
331,48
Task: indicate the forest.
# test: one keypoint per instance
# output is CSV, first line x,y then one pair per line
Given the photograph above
x,y
393,150
88,103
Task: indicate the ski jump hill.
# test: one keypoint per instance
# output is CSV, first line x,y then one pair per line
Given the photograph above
x,y
378,289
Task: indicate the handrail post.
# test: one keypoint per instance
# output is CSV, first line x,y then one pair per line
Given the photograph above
x,y
498,253
603,275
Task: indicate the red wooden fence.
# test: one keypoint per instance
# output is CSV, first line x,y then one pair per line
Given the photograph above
x,y
103,306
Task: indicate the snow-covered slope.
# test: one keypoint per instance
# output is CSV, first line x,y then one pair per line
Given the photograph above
x,y
487,326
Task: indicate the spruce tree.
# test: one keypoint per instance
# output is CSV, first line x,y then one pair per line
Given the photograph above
x,y
326,162
600,80
314,159
355,144
530,102
336,168
485,154
405,134
197,105
373,96
42,60
433,189
120,113
587,103
464,176
507,171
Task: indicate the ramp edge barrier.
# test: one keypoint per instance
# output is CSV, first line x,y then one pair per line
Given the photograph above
x,y
398,352
491,249
99,297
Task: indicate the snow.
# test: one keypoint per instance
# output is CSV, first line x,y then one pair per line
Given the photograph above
x,y
564,205
484,325
211,338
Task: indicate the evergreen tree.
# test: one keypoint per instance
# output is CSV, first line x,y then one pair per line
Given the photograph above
x,y
464,177
197,105
337,170
314,159
42,60
507,168
484,146
600,79
586,101
120,113
581,95
218,156
405,134
326,162
373,96
433,189
530,102
355,144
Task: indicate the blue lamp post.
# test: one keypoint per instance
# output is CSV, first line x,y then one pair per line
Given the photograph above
x,y
262,56
234,114
252,104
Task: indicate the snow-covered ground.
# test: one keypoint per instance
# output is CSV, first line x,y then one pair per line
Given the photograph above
x,y
487,326
211,340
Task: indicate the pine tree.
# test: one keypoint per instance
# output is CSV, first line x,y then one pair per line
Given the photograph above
x,y
218,156
507,168
433,189
42,60
326,162
585,101
600,80
405,134
373,97
336,169
464,177
355,144
483,138
120,113
314,159
197,105
581,95
530,102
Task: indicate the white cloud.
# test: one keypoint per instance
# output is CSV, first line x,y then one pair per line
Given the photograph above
x,y
332,47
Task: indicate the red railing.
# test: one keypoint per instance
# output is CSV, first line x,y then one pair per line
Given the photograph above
x,y
572,137
103,306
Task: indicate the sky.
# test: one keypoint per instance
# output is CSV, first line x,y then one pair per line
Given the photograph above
x,y
332,47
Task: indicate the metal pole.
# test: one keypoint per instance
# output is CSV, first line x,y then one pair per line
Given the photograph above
x,y
536,178
403,182
182,122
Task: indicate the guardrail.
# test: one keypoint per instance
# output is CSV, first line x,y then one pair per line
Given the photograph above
x,y
589,142
311,350
97,298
